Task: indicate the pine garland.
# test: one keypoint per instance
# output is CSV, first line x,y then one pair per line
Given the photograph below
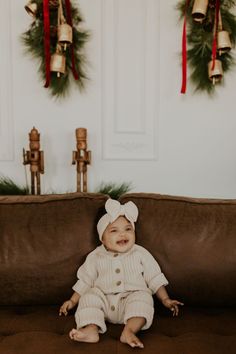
x,y
33,40
114,190
9,187
200,39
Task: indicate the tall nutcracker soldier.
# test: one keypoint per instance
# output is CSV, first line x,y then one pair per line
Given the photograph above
x,y
82,157
35,158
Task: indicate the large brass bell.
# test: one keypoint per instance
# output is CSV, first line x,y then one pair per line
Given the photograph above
x,y
31,8
199,10
64,35
223,42
216,74
58,63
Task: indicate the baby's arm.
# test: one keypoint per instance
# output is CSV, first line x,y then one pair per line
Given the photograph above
x,y
167,302
69,304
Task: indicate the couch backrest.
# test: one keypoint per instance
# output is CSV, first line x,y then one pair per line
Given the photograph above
x,y
43,240
194,241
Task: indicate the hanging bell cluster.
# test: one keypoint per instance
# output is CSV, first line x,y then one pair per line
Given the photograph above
x,y
199,13
64,39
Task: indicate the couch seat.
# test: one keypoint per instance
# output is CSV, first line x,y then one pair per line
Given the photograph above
x,y
39,330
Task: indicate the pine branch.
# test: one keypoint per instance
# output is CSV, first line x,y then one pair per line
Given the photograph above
x,y
33,41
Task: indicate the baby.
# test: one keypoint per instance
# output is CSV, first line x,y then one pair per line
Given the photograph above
x,y
117,281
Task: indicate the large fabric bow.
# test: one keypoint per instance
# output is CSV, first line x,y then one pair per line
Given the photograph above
x,y
114,209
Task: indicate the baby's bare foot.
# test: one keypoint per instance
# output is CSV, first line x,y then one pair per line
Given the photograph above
x,y
128,337
87,334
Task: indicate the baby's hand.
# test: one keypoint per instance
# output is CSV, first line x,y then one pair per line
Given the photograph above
x,y
172,305
68,305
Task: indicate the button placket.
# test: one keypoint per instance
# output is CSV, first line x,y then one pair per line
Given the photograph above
x,y
118,273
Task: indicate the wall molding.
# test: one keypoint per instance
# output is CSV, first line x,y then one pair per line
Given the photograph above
x,y
130,63
6,120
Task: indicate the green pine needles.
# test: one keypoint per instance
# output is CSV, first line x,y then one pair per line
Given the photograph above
x,y
33,40
200,40
9,187
114,190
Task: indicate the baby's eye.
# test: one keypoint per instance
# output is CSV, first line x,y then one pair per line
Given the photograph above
x,y
128,228
113,231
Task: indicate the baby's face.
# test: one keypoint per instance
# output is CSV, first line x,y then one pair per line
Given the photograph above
x,y
119,236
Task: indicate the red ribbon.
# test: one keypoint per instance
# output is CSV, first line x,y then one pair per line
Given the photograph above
x,y
214,44
69,20
46,20
184,51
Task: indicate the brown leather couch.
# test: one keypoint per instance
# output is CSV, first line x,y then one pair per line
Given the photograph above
x,y
44,239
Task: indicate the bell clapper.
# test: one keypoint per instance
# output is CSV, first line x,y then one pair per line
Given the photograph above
x,y
214,80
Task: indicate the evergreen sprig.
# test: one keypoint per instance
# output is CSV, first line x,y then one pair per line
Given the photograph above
x,y
200,39
33,40
9,187
114,190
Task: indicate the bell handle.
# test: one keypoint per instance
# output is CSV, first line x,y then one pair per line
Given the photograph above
x,y
220,25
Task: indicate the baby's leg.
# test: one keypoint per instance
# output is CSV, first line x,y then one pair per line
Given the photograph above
x,y
128,335
89,317
87,334
138,314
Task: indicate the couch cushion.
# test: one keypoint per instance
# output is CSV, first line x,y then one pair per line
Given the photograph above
x,y
39,329
194,241
43,241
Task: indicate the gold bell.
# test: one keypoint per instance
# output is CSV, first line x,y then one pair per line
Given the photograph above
x,y
223,42
64,34
58,64
31,8
216,74
199,10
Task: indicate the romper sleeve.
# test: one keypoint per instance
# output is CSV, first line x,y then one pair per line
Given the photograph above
x,y
86,274
152,272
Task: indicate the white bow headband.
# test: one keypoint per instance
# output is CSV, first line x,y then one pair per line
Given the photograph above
x,y
114,210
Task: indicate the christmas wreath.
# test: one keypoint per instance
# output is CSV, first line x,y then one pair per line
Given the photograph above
x,y
209,32
56,39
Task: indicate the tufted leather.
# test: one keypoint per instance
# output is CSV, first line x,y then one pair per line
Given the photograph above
x,y
44,239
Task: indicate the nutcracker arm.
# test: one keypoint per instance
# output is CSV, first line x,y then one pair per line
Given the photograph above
x,y
41,162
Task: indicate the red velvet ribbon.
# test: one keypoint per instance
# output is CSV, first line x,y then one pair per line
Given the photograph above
x,y
46,21
184,51
69,20
214,44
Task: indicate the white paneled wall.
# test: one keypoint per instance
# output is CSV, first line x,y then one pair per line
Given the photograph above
x,y
130,68
6,119
140,128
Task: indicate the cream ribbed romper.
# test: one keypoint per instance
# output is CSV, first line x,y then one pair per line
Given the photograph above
x,y
117,286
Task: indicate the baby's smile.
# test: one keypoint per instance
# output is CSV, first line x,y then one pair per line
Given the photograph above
x,y
122,242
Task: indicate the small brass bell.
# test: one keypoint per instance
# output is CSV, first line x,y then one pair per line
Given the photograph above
x,y
216,74
223,42
58,63
64,34
199,10
31,8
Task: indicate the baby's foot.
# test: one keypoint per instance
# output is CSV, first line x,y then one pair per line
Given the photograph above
x,y
87,334
128,337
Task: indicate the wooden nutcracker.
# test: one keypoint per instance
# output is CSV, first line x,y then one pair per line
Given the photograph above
x,y
35,158
82,157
